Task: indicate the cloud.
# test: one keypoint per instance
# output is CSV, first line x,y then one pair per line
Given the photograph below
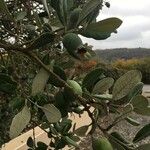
x,y
135,30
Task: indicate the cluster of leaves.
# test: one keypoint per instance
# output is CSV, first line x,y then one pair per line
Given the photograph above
x,y
46,32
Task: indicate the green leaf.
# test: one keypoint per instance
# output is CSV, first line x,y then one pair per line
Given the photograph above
x,y
81,131
136,90
19,122
62,7
132,121
60,143
91,18
52,114
125,84
143,147
103,85
30,142
119,137
56,5
4,9
61,103
74,16
141,105
75,138
40,81
64,126
41,146
103,97
42,40
21,15
91,78
60,72
88,8
37,19
70,4
116,145
62,11
17,103
7,85
70,141
53,130
59,100
142,133
102,29
119,143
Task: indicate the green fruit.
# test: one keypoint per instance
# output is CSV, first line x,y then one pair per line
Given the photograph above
x,y
101,144
72,42
74,16
75,86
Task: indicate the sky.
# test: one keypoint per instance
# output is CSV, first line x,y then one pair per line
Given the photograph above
x,y
135,30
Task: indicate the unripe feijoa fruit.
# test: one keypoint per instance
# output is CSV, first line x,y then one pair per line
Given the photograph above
x,y
72,42
101,144
75,86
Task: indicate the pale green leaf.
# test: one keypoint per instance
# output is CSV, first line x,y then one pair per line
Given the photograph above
x,y
81,131
132,121
103,85
52,114
40,81
102,29
125,84
141,105
19,122
21,15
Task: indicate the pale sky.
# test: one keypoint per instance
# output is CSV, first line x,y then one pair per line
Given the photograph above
x,y
135,30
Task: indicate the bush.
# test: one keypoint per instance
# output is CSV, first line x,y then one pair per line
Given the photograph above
x,y
41,41
142,65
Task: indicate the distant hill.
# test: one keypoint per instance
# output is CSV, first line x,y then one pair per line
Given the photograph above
x,y
123,53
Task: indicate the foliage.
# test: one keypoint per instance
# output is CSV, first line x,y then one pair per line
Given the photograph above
x,y
143,65
111,55
39,50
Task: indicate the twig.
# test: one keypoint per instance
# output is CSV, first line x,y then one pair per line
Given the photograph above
x,y
34,140
117,120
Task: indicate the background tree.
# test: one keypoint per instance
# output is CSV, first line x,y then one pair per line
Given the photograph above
x,y
39,44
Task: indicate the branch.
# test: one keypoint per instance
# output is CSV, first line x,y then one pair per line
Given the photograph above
x,y
12,47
